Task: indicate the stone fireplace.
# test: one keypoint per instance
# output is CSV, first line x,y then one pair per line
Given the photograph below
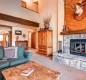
x,y
73,40
74,51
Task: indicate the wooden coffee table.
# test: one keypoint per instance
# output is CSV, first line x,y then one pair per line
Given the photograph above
x,y
40,72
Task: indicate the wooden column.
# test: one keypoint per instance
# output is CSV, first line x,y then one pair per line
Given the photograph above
x,y
4,40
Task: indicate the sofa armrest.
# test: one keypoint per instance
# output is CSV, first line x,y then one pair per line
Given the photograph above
x,y
27,55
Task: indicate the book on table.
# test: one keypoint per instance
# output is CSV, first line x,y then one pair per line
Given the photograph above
x,y
27,72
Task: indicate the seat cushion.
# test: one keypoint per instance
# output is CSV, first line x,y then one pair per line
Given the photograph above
x,y
1,52
17,61
4,64
20,52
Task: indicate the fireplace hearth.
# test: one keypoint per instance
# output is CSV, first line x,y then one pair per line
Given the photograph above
x,y
78,47
74,51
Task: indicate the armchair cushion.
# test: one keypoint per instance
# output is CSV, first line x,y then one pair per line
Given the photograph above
x,y
27,55
17,61
4,64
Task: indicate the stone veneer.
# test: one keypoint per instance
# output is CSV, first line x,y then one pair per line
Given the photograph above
x,y
75,61
69,59
66,45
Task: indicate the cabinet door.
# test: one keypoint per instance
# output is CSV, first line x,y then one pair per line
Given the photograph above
x,y
49,38
40,38
44,38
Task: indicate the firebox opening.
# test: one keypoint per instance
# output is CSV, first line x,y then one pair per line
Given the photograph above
x,y
78,47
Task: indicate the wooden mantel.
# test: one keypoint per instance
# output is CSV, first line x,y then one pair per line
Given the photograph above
x,y
73,32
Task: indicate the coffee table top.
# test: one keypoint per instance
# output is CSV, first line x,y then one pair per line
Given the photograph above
x,y
40,72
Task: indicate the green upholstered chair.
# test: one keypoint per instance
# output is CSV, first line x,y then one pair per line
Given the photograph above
x,y
3,63
1,52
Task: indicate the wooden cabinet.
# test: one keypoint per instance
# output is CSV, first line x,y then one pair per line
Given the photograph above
x,y
45,42
23,43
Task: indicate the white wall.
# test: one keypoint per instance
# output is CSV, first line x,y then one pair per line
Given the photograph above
x,y
60,19
4,31
13,7
24,31
50,8
55,8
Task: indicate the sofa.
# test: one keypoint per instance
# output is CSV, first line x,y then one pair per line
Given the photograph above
x,y
22,57
9,59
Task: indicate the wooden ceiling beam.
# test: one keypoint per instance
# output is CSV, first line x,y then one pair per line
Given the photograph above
x,y
5,26
18,20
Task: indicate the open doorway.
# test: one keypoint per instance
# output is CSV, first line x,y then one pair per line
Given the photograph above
x,y
5,36
33,40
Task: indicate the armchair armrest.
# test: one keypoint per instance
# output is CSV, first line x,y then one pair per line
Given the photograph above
x,y
27,55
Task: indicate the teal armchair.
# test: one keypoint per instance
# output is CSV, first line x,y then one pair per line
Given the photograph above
x,y
28,55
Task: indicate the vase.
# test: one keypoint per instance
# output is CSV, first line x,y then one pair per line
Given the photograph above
x,y
46,25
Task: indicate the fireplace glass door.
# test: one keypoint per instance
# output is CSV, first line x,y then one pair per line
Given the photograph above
x,y
78,47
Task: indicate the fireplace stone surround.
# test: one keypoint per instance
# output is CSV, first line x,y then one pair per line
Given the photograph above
x,y
67,38
76,61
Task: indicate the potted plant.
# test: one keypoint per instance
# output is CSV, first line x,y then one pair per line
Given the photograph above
x,y
46,22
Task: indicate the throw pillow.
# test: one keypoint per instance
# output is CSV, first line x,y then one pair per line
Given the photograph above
x,y
10,52
1,52
15,52
20,52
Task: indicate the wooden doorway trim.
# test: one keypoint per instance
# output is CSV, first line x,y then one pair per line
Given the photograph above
x,y
5,26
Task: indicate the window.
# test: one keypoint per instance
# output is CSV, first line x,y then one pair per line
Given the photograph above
x,y
1,37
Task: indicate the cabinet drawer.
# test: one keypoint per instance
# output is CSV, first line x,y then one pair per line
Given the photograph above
x,y
42,47
42,52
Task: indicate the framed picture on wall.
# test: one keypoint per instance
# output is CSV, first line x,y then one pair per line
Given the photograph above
x,y
18,32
